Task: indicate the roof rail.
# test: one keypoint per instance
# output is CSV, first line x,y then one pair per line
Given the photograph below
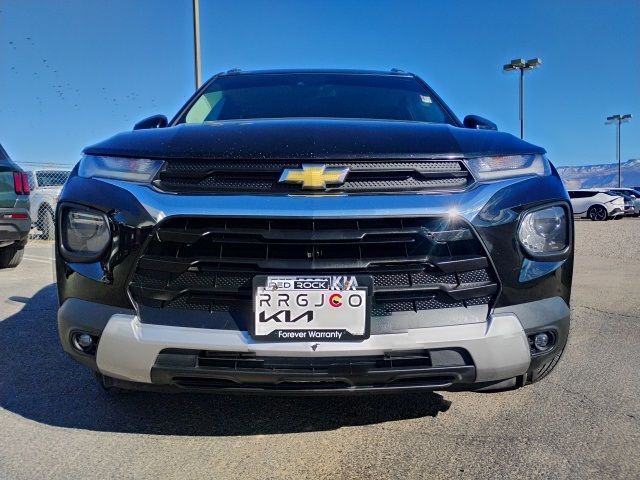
x,y
234,70
398,70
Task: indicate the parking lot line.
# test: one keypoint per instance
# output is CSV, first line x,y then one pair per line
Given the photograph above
x,y
46,260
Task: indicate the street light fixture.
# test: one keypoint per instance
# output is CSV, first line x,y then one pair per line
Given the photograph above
x,y
522,65
618,119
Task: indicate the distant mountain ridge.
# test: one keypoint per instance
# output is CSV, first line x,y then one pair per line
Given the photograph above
x,y
605,175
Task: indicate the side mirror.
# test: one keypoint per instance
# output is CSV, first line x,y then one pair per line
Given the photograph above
x,y
476,121
156,121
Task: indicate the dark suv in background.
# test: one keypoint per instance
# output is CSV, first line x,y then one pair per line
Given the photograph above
x,y
15,221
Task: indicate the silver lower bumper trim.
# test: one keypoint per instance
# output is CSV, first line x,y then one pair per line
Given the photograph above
x,y
128,349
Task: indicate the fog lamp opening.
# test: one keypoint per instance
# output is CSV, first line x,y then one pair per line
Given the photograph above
x,y
541,342
84,342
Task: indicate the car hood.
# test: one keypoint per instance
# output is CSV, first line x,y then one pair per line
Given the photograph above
x,y
310,139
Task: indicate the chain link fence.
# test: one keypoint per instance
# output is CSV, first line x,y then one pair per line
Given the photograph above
x,y
46,181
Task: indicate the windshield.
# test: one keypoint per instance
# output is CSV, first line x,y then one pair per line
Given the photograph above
x,y
313,95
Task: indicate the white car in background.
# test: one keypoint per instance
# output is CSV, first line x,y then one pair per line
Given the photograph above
x,y
46,186
632,192
596,204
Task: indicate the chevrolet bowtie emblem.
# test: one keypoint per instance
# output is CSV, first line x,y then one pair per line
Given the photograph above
x,y
314,177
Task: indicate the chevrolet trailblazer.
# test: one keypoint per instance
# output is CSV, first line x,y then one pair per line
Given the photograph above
x,y
312,232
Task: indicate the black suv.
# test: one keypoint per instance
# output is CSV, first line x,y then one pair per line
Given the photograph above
x,y
314,232
15,222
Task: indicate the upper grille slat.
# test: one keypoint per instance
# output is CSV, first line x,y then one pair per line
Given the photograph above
x,y
253,176
285,238
347,264
462,263
335,235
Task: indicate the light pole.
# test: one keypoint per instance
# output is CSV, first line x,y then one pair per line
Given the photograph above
x,y
522,65
196,42
618,120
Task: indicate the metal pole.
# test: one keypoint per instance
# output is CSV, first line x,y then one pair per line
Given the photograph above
x,y
618,152
522,103
196,42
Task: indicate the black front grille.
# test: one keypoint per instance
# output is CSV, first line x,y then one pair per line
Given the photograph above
x,y
251,176
208,264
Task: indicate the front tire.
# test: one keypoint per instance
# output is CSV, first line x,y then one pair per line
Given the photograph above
x,y
597,213
545,369
11,256
107,385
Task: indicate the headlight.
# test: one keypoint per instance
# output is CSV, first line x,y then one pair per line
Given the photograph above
x,y
494,168
85,233
131,169
545,231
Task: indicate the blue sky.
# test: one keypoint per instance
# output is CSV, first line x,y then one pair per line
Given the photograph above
x,y
76,71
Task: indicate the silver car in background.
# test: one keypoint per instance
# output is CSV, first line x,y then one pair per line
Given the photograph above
x,y
597,204
633,194
46,186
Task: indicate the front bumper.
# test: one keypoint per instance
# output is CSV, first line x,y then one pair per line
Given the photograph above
x,y
491,351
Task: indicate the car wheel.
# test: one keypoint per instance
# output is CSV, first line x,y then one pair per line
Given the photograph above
x,y
545,369
107,385
597,213
46,224
11,256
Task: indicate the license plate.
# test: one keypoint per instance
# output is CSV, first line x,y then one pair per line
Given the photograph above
x,y
329,308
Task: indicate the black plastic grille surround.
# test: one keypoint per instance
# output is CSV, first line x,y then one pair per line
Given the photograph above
x,y
214,370
254,176
208,263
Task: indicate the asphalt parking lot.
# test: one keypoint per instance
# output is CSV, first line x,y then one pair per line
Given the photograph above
x,y
583,421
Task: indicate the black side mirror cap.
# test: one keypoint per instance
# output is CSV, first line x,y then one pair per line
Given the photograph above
x,y
155,121
478,122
